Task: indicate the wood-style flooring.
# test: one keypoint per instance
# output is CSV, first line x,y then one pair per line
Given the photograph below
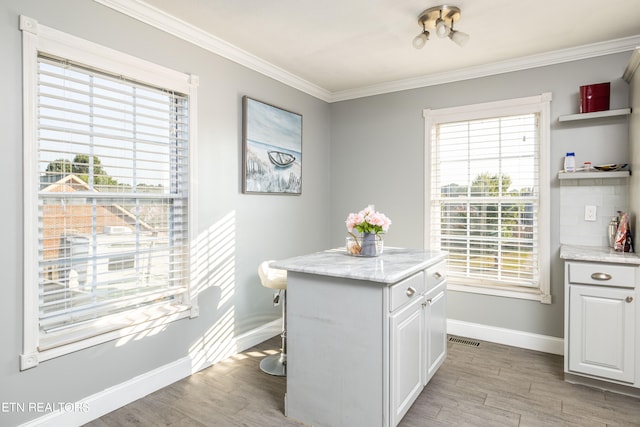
x,y
487,385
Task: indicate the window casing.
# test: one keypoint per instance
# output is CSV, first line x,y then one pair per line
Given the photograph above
x,y
487,181
109,144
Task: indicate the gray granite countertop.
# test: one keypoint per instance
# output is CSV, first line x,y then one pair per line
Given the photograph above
x,y
392,266
597,254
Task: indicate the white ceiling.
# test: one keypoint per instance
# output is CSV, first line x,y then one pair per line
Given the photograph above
x,y
339,48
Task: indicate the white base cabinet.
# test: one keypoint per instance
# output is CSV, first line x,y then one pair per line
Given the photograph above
x,y
360,352
407,356
418,338
602,332
436,329
601,321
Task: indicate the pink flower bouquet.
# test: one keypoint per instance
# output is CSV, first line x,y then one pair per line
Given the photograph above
x,y
367,221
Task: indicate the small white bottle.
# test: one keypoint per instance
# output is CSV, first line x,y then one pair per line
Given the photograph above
x,y
570,162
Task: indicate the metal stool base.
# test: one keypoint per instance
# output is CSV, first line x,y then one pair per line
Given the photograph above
x,y
276,365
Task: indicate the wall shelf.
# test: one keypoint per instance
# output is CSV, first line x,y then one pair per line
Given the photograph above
x,y
595,115
593,174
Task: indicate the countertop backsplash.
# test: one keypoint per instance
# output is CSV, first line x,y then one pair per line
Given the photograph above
x,y
608,196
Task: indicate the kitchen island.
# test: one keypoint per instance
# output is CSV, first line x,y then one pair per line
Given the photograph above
x,y
364,335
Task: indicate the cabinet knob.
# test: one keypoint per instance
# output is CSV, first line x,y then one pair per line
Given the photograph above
x,y
628,299
601,276
410,291
437,275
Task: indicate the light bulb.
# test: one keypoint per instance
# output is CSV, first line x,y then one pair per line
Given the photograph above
x,y
421,39
459,38
442,29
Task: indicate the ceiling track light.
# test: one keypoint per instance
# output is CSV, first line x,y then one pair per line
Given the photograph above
x,y
421,39
440,19
442,29
458,37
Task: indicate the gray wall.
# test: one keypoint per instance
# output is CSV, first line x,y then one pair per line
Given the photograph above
x,y
355,152
262,227
377,152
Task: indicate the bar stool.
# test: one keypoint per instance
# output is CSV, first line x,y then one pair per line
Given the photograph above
x,y
273,278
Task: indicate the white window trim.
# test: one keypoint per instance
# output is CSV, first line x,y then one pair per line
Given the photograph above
x,y
533,104
38,38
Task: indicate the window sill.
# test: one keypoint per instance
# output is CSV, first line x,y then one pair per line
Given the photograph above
x,y
138,322
506,292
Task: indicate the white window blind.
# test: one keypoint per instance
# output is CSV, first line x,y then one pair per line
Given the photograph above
x,y
112,196
485,199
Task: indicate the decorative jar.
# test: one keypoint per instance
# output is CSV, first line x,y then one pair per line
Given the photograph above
x,y
367,245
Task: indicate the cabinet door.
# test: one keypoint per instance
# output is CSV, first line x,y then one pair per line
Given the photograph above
x,y
406,358
602,331
436,330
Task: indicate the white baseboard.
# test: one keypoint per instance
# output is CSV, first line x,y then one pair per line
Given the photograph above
x,y
512,337
122,394
101,403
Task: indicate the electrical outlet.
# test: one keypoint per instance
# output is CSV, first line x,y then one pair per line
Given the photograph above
x,y
590,213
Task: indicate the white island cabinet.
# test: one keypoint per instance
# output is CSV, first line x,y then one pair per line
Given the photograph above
x,y
602,319
364,335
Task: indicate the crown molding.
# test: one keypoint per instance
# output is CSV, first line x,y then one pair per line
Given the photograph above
x,y
150,15
170,24
626,44
633,65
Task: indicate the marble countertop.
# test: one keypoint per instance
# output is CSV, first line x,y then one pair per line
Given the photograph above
x,y
597,254
392,266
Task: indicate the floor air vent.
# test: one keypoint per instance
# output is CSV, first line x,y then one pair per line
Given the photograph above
x,y
464,341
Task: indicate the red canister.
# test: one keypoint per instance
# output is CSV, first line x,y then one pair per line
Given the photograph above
x,y
594,97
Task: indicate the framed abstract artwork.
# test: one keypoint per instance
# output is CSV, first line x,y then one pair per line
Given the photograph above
x,y
271,149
